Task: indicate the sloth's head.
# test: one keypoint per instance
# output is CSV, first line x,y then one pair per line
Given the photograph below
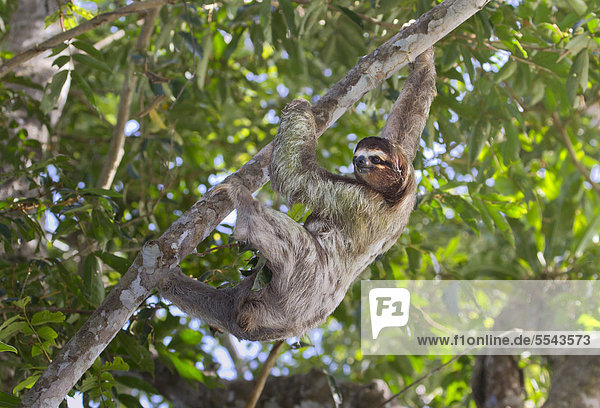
x,y
383,167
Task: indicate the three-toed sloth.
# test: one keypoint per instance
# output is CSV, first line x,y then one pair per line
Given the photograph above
x,y
352,221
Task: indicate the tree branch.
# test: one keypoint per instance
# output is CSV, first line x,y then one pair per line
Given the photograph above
x,y
60,38
264,373
117,142
165,253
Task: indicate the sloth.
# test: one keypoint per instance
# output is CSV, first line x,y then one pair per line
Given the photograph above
x,y
353,220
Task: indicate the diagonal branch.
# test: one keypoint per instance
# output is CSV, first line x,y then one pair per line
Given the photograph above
x,y
117,142
165,253
88,25
264,373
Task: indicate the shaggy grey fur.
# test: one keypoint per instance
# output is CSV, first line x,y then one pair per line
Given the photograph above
x,y
352,221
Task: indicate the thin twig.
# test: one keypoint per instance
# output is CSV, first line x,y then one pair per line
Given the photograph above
x,y
472,38
519,59
154,103
117,143
264,373
420,379
88,25
567,142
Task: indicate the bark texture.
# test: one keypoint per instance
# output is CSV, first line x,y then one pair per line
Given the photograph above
x,y
497,382
26,30
575,382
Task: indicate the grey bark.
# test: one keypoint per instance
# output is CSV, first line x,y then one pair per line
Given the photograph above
x,y
26,30
27,53
497,382
575,382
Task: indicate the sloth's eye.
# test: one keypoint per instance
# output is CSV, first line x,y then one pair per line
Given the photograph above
x,y
375,160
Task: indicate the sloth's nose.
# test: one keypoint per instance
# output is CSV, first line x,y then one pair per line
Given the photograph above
x,y
361,161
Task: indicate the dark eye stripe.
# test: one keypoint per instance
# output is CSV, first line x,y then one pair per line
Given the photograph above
x,y
379,161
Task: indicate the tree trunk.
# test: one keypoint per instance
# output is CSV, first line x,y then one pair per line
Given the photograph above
x,y
575,382
26,30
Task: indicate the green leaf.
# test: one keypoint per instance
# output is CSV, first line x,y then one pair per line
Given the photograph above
x,y
578,43
13,328
59,62
288,13
578,6
138,354
129,401
58,49
65,228
27,383
85,87
117,364
415,258
572,86
186,368
202,68
477,139
100,192
81,11
47,333
9,401
191,337
190,43
53,90
5,231
45,317
92,279
102,226
512,146
466,57
136,382
9,321
23,302
583,76
116,262
88,48
450,57
265,21
353,16
296,213
92,62
263,276
7,347
587,237
501,223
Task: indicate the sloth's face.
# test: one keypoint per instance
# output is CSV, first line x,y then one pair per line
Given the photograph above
x,y
376,165
367,160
